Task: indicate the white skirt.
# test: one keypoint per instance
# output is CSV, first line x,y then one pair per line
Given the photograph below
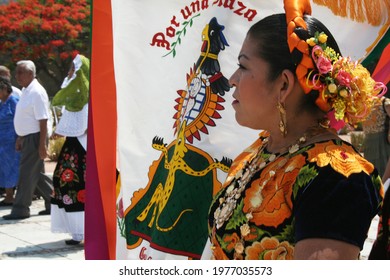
x,y
67,222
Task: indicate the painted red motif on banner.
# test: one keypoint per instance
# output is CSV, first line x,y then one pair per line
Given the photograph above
x,y
176,30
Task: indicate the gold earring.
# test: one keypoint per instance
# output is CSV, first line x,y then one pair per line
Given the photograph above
x,y
324,123
283,119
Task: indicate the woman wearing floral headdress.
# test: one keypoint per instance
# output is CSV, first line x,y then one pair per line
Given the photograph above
x,y
299,191
67,210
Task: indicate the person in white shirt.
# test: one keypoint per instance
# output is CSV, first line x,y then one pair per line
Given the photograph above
x,y
31,117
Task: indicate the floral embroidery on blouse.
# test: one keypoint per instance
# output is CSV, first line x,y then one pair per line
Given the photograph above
x,y
262,224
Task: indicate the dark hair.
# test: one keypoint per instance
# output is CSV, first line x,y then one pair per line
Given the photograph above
x,y
270,33
5,84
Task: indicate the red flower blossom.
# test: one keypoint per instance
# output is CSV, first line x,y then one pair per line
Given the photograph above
x,y
64,55
67,175
81,196
57,43
44,30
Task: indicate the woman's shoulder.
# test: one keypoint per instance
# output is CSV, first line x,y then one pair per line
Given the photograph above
x,y
340,155
12,101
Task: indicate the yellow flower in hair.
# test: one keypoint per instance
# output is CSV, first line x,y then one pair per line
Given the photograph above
x,y
322,38
343,93
311,42
339,107
332,88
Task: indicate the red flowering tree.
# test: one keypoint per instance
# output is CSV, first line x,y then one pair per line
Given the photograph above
x,y
48,32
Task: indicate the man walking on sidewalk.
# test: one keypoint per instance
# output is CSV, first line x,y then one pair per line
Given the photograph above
x,y
31,117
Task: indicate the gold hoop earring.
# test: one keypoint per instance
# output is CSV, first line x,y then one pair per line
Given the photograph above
x,y
324,123
283,119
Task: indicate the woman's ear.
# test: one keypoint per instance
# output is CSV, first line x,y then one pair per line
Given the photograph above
x,y
287,84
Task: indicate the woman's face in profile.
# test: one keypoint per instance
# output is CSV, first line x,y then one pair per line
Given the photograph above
x,y
254,97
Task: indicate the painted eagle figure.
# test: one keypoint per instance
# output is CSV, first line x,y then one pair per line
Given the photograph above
x,y
213,42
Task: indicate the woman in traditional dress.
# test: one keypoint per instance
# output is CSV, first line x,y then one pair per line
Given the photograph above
x,y
67,209
299,191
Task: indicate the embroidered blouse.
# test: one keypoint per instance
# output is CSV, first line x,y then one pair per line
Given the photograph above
x,y
323,190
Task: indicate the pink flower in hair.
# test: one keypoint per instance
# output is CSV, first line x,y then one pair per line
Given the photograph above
x,y
324,65
344,78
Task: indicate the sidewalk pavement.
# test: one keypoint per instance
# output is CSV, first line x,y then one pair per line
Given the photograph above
x,y
31,239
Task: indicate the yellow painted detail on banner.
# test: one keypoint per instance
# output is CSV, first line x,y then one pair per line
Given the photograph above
x,y
164,190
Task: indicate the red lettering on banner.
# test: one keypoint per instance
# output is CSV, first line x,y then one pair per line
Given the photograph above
x,y
174,22
249,14
143,255
186,13
239,10
195,7
171,32
226,4
159,41
238,7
